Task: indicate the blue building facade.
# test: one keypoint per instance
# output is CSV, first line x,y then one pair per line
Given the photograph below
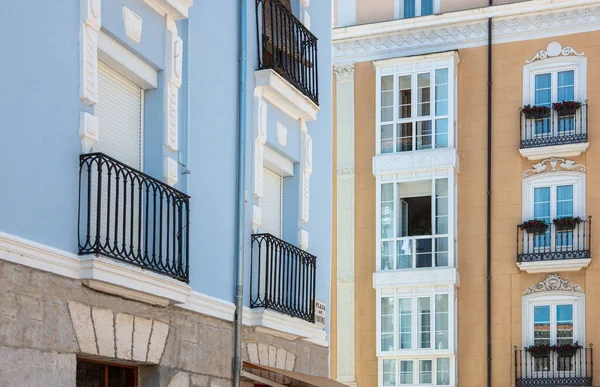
x,y
119,201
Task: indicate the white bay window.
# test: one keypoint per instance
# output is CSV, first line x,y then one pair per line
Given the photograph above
x,y
402,372
416,230
415,106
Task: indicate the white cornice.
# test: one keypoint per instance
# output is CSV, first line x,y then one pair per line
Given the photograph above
x,y
421,58
415,161
558,265
512,22
415,277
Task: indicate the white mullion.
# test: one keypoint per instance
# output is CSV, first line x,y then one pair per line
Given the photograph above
x,y
432,111
378,225
395,116
394,327
415,105
434,371
452,95
395,226
415,325
434,220
451,218
417,8
432,311
552,323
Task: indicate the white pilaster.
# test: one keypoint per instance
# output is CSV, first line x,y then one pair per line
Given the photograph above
x,y
306,170
88,73
173,80
345,223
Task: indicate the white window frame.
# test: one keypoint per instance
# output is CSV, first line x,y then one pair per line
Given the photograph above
x,y
452,208
555,65
548,179
399,8
414,293
554,298
413,66
416,369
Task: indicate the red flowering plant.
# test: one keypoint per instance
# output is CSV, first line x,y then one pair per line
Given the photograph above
x,y
566,108
536,111
566,349
540,350
534,226
567,222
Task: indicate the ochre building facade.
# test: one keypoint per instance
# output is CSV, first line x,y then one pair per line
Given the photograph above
x,y
411,109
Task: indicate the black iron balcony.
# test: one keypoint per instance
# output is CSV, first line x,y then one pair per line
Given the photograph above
x,y
129,216
554,127
555,244
282,277
554,369
287,47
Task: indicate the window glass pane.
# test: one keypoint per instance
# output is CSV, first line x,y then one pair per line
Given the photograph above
x,y
441,321
423,252
564,201
443,371
441,206
405,249
541,325
541,211
424,321
424,132
387,138
425,371
423,94
405,323
387,210
543,89
387,255
387,98
404,96
387,324
441,252
409,8
564,324
389,372
441,133
426,7
405,140
566,85
441,92
406,372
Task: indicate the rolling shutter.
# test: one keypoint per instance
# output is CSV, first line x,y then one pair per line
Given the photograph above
x,y
119,111
271,203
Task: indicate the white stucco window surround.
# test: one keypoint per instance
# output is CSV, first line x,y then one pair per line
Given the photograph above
x,y
555,74
546,195
550,303
416,103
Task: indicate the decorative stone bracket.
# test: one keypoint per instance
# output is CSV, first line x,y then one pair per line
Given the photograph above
x,y
554,49
122,336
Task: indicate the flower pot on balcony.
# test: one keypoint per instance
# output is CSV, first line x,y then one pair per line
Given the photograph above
x,y
566,112
567,350
534,226
537,115
539,351
566,223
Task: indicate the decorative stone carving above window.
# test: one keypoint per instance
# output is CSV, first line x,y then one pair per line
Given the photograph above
x,y
132,24
553,282
554,164
554,49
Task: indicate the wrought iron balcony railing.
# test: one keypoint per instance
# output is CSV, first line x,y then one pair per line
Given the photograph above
x,y
555,244
558,127
129,216
282,277
554,369
287,46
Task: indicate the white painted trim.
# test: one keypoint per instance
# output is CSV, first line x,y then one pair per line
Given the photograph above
x,y
131,282
576,63
272,87
132,23
568,150
177,9
449,55
427,160
278,162
577,179
520,21
552,298
128,281
127,63
415,277
278,324
415,358
554,266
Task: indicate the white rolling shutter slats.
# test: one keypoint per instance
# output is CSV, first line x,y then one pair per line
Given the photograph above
x,y
119,111
271,203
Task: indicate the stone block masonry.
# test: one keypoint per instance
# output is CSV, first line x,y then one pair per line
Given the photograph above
x,y
48,321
